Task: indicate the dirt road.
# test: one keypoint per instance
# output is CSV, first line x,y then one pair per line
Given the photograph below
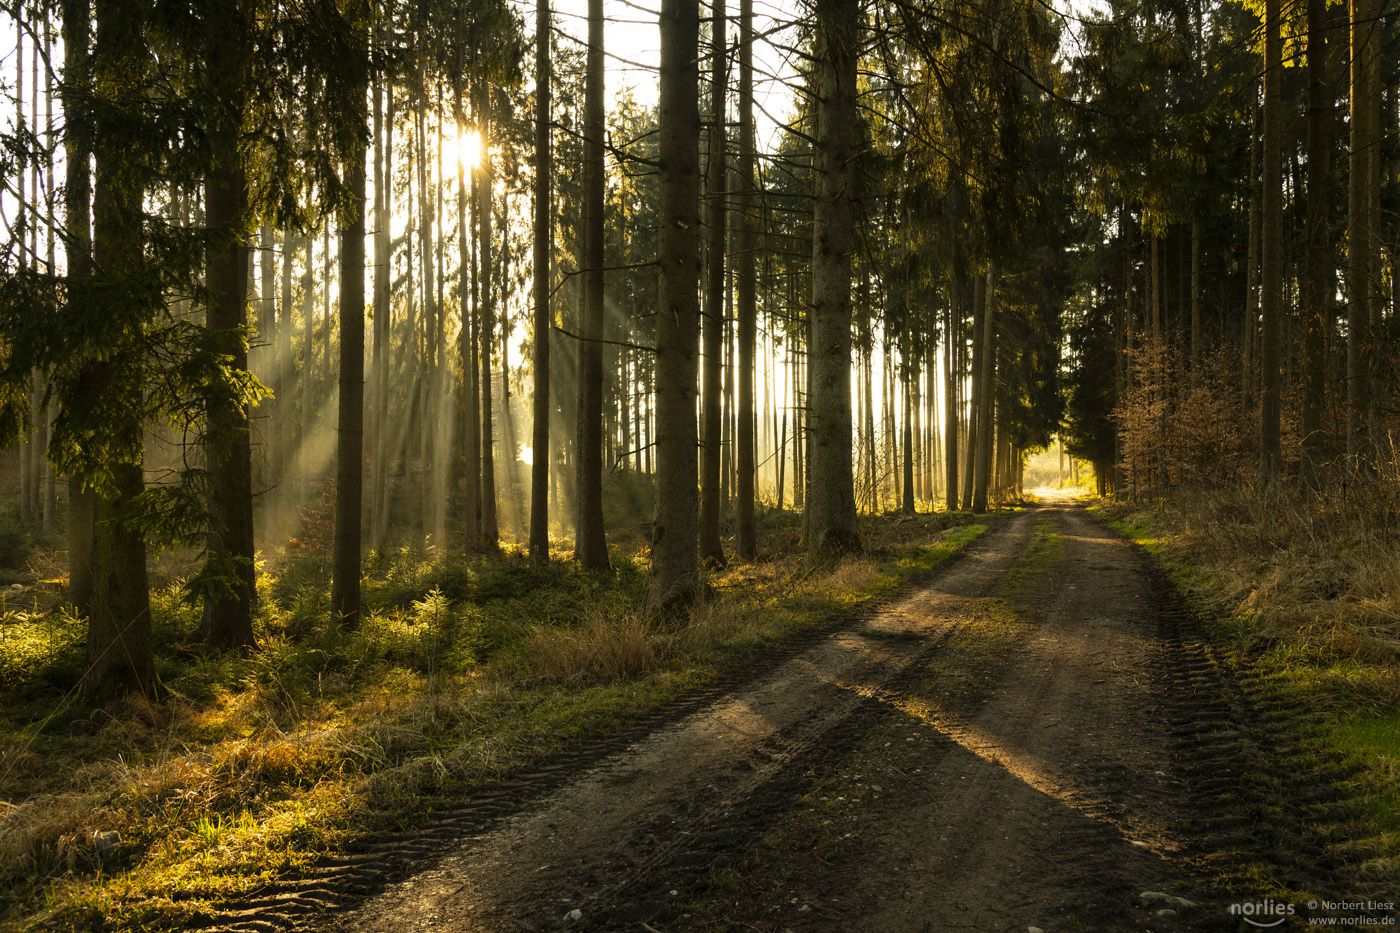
x,y
1025,742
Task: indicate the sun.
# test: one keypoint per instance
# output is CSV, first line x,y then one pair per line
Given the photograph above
x,y
467,147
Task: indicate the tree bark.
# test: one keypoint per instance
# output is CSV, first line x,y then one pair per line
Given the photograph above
x,y
1372,220
831,528
350,415
1271,271
1195,293
986,362
490,531
229,599
590,539
674,560
910,377
382,134
1252,277
745,532
120,653
952,322
77,246
711,404
539,469
1319,272
466,359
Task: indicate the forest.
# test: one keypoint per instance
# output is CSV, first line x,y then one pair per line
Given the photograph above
x,y
399,396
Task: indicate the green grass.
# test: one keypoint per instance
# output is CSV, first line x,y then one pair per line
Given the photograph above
x,y
463,671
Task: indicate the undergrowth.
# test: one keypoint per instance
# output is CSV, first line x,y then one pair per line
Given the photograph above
x,y
464,670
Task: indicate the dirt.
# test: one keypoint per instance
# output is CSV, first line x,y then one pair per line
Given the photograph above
x,y
1034,739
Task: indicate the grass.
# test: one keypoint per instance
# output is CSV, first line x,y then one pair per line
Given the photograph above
x,y
1306,586
464,671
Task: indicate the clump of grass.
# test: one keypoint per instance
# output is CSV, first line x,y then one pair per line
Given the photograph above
x,y
600,648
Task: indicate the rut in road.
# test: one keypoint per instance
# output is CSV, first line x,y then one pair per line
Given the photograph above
x,y
1043,797
1022,741
673,804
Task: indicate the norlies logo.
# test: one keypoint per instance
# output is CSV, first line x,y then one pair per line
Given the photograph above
x,y
1265,913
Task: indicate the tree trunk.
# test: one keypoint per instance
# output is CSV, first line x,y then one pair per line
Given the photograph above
x,y
910,375
868,426
26,450
350,417
383,276
1155,292
986,361
970,362
832,505
77,244
1319,271
1195,293
490,530
231,593
674,552
1271,270
1252,277
952,322
590,539
711,548
1372,220
539,469
120,653
466,359
745,533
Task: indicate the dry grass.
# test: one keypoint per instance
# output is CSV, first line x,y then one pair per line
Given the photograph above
x,y
1308,571
263,764
600,648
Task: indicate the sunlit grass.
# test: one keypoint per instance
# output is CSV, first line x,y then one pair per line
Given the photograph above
x,y
464,670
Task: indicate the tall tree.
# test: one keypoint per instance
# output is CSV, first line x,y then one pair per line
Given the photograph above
x,y
985,361
745,304
952,318
230,591
1359,245
490,531
674,557
539,469
350,415
383,128
831,507
1270,268
590,541
77,246
1320,274
120,651
712,323
466,348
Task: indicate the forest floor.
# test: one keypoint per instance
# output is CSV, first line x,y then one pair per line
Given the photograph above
x,y
1039,737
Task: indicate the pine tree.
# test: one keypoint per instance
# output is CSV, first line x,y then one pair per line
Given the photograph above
x,y
230,590
674,561
590,546
539,471
831,517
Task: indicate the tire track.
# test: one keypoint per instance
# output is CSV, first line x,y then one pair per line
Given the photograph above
x,y
344,887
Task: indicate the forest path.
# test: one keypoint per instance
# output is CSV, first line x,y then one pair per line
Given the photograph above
x,y
990,752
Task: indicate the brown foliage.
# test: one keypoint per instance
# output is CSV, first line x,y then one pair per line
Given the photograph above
x,y
1184,427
